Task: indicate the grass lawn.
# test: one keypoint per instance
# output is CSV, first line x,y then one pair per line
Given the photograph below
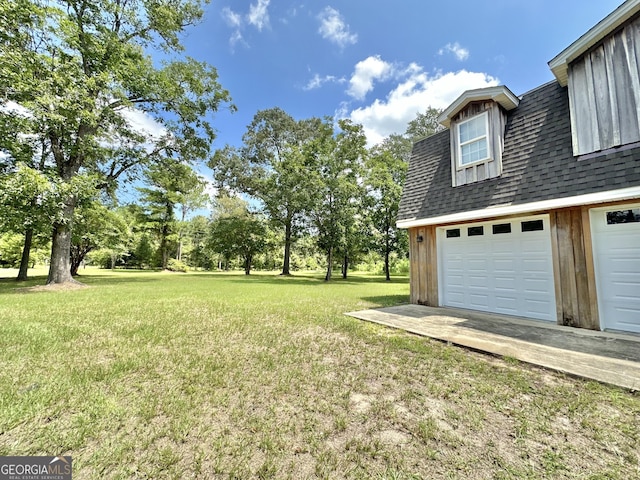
x,y
210,375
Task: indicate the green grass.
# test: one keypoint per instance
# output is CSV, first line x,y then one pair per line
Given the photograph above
x,y
212,375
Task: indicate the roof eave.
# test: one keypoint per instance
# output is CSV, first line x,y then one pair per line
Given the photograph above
x,y
623,194
500,94
560,63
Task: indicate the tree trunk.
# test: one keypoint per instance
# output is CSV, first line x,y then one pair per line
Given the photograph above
x,y
386,256
77,257
113,261
75,264
247,265
26,251
60,266
329,264
345,265
164,247
287,248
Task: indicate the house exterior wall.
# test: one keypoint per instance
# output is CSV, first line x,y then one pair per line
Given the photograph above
x,y
573,265
423,266
576,300
604,92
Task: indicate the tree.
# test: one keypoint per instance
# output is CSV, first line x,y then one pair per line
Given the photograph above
x,y
170,183
235,231
96,226
424,125
271,167
196,232
386,172
338,164
82,69
27,201
192,198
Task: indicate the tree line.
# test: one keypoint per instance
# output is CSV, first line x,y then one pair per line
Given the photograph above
x,y
75,75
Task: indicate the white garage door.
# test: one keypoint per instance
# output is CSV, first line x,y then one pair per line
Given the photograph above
x,y
502,267
616,249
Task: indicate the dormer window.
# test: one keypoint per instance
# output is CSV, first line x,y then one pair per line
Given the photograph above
x,y
473,135
476,121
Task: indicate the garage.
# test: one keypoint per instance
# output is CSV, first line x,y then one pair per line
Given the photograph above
x,y
616,249
500,266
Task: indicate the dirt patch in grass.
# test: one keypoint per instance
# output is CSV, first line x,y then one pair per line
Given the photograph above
x,y
53,287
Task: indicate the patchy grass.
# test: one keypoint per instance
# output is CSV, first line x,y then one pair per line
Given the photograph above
x,y
160,375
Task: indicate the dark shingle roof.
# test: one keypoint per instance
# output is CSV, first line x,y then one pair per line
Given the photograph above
x,y
538,164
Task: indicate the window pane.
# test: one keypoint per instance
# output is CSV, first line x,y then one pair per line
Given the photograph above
x,y
532,226
473,128
502,228
623,216
453,233
475,231
474,151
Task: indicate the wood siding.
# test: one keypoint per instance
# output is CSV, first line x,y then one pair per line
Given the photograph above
x,y
423,266
573,265
462,175
604,93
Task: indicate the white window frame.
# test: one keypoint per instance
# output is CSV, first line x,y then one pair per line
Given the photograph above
x,y
486,137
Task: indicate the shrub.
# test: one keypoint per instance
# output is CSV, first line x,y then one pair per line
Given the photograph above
x,y
176,266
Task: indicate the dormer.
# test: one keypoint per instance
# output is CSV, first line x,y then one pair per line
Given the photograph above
x,y
476,121
602,71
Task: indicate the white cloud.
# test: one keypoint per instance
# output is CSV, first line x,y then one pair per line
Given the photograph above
x,y
366,72
258,15
460,52
415,93
232,18
209,185
334,29
143,124
317,81
236,38
12,108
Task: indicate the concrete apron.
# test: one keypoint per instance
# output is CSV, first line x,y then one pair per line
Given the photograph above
x,y
607,357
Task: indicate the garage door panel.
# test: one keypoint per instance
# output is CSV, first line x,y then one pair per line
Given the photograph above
x,y
479,302
616,252
623,265
536,286
534,246
477,281
510,273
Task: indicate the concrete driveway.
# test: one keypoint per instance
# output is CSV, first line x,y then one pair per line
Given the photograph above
x,y
608,357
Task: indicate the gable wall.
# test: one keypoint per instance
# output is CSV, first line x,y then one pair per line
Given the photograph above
x,y
604,91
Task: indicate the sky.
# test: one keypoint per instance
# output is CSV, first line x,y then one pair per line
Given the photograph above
x,y
378,62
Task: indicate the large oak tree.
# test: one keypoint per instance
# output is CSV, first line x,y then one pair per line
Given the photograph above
x,y
83,69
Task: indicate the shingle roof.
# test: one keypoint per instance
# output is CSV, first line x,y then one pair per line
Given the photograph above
x,y
538,164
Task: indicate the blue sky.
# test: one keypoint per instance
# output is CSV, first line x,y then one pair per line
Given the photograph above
x,y
375,62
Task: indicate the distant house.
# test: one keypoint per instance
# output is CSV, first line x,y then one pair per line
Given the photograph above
x,y
530,206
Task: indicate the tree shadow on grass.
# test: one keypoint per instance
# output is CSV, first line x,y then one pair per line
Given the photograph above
x,y
387,300
317,279
10,285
